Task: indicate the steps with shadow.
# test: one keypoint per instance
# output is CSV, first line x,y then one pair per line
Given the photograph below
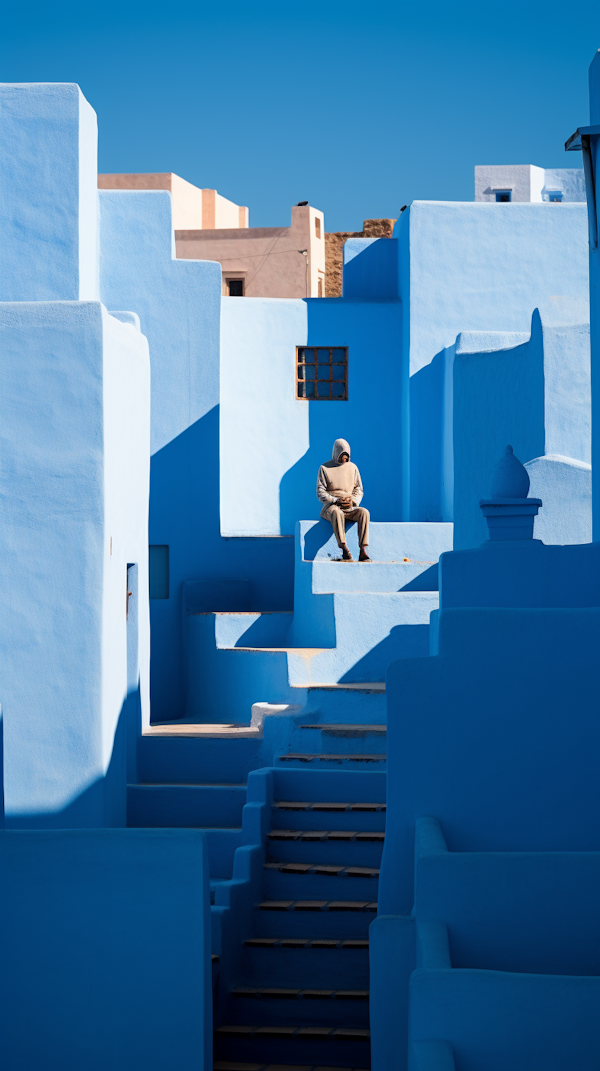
x,y
301,995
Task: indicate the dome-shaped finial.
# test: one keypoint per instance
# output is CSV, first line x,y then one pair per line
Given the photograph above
x,y
508,511
509,478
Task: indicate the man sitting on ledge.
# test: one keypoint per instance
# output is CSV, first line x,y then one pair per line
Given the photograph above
x,y
340,489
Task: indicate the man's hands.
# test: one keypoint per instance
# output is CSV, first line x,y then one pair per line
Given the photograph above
x,y
345,503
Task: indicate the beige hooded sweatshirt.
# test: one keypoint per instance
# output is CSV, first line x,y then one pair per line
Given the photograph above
x,y
336,480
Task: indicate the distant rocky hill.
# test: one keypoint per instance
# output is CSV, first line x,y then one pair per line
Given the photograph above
x,y
334,247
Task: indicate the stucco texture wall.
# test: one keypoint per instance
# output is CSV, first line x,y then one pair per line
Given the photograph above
x,y
273,443
535,395
178,303
75,403
473,267
48,208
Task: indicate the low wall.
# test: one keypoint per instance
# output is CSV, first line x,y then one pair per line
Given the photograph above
x,y
105,950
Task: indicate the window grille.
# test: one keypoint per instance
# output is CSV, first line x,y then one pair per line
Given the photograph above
x,y
158,568
322,373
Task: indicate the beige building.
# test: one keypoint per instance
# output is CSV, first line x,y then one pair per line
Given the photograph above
x,y
192,207
283,262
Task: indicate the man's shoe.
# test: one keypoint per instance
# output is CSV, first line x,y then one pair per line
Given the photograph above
x,y
363,556
346,555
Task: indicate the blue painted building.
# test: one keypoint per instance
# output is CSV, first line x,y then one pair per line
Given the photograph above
x,y
226,789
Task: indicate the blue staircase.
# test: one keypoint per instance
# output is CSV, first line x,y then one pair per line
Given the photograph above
x,y
350,621
298,994
281,762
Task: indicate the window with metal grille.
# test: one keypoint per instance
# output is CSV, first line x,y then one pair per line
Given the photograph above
x,y
158,568
322,373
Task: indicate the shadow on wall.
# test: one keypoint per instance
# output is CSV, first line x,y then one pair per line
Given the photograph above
x,y
403,641
328,421
104,803
316,538
426,439
184,514
369,419
81,944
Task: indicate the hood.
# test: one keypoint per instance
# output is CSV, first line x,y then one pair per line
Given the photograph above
x,y
340,447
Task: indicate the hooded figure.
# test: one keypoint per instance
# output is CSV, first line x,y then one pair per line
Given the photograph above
x,y
340,490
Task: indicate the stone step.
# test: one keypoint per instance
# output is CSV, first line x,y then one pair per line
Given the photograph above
x,y
235,1065
205,758
337,870
346,730
351,943
228,1065
331,920
330,806
332,760
185,806
321,835
310,962
360,703
277,993
381,577
342,738
319,905
325,881
281,1044
338,848
350,821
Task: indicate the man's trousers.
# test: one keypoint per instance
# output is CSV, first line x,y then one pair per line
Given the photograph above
x,y
338,518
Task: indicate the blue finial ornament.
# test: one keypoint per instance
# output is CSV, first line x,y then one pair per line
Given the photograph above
x,y
508,511
510,478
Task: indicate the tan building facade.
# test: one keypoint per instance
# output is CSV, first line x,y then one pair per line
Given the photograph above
x,y
192,207
283,262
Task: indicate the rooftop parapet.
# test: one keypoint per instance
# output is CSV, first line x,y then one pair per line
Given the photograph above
x,y
48,201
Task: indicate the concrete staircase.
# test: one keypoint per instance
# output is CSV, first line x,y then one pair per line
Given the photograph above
x,y
298,994
281,762
350,621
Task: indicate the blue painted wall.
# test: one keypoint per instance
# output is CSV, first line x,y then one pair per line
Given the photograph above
x,y
273,443
74,404
533,394
472,267
178,302
105,940
48,207
371,269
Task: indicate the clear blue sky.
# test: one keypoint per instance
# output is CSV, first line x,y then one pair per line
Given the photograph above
x,y
358,106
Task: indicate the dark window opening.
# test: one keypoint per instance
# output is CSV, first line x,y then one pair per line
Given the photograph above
x,y
317,226
502,196
322,373
555,195
235,287
158,568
